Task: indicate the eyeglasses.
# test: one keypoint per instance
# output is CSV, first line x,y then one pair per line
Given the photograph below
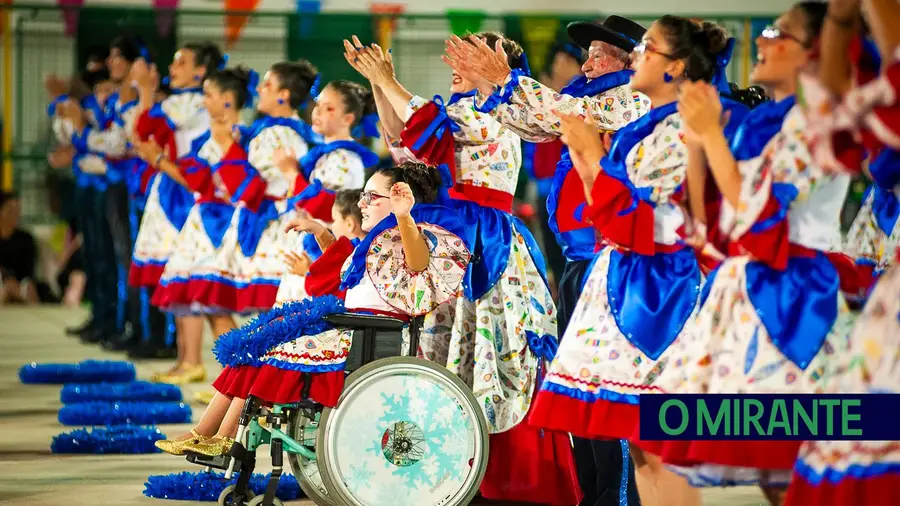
x,y
646,46
368,196
773,33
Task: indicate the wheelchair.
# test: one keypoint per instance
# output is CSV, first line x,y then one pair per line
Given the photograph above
x,y
405,431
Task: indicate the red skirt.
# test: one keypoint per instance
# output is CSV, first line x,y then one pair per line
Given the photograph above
x,y
527,464
145,275
753,454
880,490
282,386
236,381
590,420
212,294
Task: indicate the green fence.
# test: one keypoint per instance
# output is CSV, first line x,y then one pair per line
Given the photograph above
x,y
39,46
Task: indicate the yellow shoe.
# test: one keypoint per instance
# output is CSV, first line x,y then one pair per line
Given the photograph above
x,y
189,374
173,447
204,397
212,447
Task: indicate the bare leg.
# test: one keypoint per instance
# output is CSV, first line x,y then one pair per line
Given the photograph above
x,y
191,340
213,416
75,290
229,425
658,486
775,495
221,324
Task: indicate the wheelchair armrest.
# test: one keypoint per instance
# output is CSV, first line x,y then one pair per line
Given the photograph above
x,y
365,321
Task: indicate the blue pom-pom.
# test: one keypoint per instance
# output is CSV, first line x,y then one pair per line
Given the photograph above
x,y
133,391
249,343
204,486
108,440
89,371
124,413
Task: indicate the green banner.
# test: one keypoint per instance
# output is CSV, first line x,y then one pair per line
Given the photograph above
x,y
463,22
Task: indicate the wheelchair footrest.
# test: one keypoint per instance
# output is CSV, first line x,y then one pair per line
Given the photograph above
x,y
219,462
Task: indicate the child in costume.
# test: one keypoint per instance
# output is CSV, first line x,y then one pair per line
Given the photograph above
x,y
346,221
642,290
293,344
778,219
199,278
344,110
505,326
861,124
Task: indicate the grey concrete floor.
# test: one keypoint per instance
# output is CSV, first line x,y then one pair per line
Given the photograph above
x,y
31,476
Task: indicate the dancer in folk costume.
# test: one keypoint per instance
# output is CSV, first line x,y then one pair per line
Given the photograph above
x,y
505,325
407,265
344,110
772,315
172,124
529,108
74,123
867,113
199,276
617,334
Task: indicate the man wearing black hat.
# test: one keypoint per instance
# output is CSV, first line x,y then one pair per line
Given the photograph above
x,y
528,108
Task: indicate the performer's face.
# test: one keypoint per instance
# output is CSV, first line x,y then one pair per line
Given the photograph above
x,y
118,66
330,117
781,50
183,72
214,100
378,206
652,61
602,59
270,93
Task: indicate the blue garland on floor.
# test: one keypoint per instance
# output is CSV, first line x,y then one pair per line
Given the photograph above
x,y
133,391
89,371
249,343
203,486
108,440
124,413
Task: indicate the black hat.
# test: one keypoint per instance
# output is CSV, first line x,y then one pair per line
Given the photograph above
x,y
616,30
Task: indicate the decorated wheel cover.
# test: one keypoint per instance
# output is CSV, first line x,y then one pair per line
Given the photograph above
x,y
303,429
405,432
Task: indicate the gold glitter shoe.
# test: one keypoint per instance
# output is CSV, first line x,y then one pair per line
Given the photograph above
x,y
212,447
204,397
173,447
188,374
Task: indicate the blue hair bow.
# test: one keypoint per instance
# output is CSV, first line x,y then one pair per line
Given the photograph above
x,y
723,58
446,183
524,64
314,89
223,63
252,84
368,127
145,53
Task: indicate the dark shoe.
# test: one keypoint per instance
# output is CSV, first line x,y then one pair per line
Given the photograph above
x,y
150,350
84,327
94,336
121,342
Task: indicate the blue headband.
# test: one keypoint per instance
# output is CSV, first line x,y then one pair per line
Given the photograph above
x,y
720,80
368,127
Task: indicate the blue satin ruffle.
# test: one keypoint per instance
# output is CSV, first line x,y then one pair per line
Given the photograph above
x,y
758,127
252,224
176,201
422,213
439,125
885,168
216,218
797,306
311,247
885,207
582,87
652,297
308,162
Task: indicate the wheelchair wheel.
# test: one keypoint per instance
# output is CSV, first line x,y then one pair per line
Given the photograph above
x,y
303,429
406,432
229,498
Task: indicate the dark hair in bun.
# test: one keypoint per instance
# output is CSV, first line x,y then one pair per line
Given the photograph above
x,y
697,44
423,180
235,80
358,100
296,77
206,55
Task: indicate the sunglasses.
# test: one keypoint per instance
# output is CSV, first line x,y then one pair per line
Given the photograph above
x,y
368,196
774,33
647,47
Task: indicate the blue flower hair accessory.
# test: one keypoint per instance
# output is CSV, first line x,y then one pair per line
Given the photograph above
x,y
723,58
252,85
368,127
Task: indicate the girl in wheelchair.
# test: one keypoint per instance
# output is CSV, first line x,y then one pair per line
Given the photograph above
x,y
411,261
